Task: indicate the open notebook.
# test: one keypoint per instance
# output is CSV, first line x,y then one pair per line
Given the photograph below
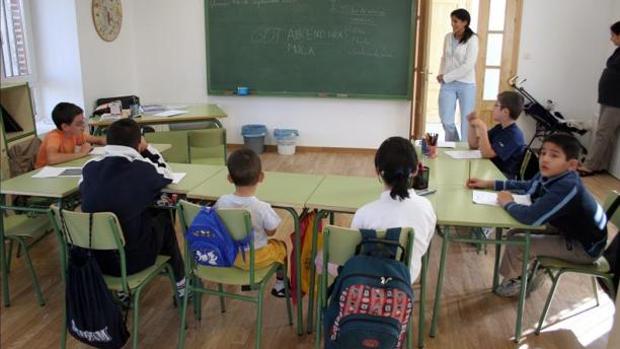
x,y
490,198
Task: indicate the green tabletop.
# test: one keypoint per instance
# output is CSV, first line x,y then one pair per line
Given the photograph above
x,y
344,193
195,175
278,188
454,172
195,112
58,187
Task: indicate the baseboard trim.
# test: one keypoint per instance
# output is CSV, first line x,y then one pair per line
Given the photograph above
x,y
269,148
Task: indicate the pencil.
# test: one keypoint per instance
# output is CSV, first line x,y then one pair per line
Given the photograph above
x,y
468,170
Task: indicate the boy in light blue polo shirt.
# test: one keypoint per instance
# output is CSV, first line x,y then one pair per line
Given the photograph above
x,y
504,144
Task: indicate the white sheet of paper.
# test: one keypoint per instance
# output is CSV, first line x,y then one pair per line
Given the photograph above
x,y
177,177
464,154
48,172
490,198
170,113
444,144
97,151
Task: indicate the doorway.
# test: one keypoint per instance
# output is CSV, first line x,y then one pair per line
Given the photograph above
x,y
497,24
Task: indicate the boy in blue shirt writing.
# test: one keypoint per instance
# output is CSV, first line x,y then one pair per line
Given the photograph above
x,y
576,223
504,143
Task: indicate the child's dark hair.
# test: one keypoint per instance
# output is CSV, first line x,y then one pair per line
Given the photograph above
x,y
567,142
244,167
124,132
395,162
463,15
64,113
511,101
615,28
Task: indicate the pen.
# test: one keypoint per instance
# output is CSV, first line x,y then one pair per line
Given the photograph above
x,y
468,170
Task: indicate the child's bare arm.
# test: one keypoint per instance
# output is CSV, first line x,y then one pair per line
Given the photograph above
x,y
55,157
95,139
484,144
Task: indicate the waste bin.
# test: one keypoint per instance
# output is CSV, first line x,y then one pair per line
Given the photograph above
x,y
286,139
254,137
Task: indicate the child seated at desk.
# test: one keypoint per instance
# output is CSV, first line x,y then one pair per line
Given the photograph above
x,y
504,144
245,172
68,141
576,223
126,181
399,205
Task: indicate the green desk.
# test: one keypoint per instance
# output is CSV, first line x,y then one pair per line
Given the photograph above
x,y
288,191
195,112
195,175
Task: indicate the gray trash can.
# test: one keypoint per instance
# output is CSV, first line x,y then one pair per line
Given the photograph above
x,y
254,137
286,139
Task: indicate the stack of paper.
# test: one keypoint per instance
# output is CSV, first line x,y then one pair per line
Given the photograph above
x,y
490,198
177,177
464,154
48,171
172,112
444,144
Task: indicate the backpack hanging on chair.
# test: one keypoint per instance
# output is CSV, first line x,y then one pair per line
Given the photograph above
x,y
92,315
371,300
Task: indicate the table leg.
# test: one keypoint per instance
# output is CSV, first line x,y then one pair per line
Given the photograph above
x,y
498,252
442,268
315,232
526,257
300,315
3,264
422,314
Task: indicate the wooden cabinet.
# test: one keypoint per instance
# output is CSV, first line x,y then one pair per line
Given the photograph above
x,y
17,102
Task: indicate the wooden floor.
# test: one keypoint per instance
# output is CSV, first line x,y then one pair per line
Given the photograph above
x,y
471,316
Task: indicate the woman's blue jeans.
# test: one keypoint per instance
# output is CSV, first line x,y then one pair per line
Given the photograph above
x,y
449,93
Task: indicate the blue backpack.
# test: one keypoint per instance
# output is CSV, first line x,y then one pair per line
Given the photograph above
x,y
371,300
210,242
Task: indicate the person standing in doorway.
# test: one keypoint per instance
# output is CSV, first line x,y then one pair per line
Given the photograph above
x,y
457,74
609,115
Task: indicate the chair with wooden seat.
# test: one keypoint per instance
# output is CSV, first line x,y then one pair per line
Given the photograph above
x,y
107,235
556,267
339,245
25,230
208,146
239,224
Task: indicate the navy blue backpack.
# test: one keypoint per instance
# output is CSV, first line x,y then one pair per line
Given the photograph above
x,y
210,242
371,300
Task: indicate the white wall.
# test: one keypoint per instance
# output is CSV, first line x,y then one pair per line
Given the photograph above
x,y
108,68
171,67
55,42
564,47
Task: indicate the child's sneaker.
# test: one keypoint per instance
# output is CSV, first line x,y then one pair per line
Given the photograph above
x,y
278,289
509,288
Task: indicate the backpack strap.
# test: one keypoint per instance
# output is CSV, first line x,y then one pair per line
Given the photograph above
x,y
382,248
368,234
612,208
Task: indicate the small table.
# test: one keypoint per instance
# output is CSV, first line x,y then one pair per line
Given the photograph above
x,y
195,112
287,191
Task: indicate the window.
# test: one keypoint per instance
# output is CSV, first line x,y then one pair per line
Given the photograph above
x,y
15,62
495,38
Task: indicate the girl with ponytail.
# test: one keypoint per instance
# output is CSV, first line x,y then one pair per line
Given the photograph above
x,y
457,74
399,206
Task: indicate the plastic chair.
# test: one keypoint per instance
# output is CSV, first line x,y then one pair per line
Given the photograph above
x,y
177,139
239,225
107,235
338,246
529,165
22,228
556,267
207,146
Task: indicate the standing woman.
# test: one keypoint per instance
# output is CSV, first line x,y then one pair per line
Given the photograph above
x,y
609,116
457,74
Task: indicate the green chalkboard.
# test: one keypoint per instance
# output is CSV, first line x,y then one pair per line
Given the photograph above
x,y
341,48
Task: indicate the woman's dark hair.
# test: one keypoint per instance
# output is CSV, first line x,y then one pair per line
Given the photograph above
x,y
395,162
463,15
615,28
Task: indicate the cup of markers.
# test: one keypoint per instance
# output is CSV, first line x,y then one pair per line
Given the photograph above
x,y
431,143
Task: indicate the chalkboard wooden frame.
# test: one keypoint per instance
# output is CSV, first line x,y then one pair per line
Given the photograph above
x,y
215,90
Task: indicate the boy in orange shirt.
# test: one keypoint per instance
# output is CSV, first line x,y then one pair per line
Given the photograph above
x,y
68,141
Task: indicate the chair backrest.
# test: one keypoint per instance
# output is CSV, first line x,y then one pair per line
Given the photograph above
x,y
612,207
529,165
106,230
210,143
178,139
341,243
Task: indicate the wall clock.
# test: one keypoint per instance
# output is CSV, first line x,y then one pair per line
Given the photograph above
x,y
108,18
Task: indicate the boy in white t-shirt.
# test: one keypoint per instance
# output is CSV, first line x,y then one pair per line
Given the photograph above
x,y
245,172
399,206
